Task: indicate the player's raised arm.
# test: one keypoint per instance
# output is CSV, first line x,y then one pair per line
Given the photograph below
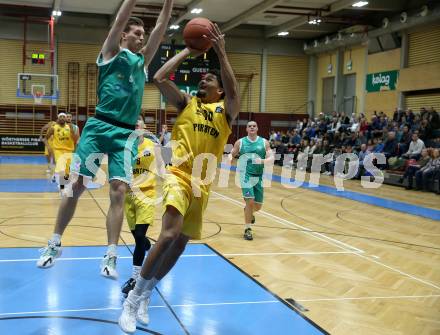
x,y
111,45
232,100
169,89
158,32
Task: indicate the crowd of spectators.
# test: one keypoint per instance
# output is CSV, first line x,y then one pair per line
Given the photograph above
x,y
410,142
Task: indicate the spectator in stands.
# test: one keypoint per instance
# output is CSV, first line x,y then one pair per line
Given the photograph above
x,y
427,172
416,123
412,168
353,141
434,119
404,138
378,145
362,154
425,130
415,147
363,139
364,126
295,139
403,123
272,138
390,146
356,125
285,137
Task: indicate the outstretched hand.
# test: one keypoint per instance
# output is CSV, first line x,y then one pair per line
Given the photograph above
x,y
217,38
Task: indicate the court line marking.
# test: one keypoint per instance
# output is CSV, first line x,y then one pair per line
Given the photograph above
x,y
153,306
306,253
359,254
81,198
285,222
372,298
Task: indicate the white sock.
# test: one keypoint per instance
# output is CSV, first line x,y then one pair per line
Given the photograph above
x,y
136,271
112,249
141,286
152,284
56,238
247,225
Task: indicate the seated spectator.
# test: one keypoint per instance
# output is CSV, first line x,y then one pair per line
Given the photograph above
x,y
363,139
364,126
303,153
353,141
390,146
362,154
378,147
355,126
404,139
415,148
285,138
411,169
371,145
427,172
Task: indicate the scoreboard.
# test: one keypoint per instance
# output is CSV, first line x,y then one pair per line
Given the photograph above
x,y
190,72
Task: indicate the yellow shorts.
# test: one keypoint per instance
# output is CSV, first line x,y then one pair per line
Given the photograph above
x,y
63,158
139,209
177,192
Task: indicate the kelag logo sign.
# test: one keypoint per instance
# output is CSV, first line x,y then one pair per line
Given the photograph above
x,y
382,81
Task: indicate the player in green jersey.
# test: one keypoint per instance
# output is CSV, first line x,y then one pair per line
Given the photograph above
x,y
254,152
122,64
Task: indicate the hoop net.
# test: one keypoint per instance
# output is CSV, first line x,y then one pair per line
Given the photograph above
x,y
38,93
38,98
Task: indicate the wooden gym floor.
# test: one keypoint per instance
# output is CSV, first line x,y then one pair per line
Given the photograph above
x,y
351,266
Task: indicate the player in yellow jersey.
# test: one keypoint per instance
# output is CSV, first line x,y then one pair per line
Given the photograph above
x,y
64,138
201,130
47,153
140,202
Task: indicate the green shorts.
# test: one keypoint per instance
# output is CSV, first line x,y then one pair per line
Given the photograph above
x,y
99,138
256,191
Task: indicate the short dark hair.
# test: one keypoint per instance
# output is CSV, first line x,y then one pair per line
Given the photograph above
x,y
133,21
218,75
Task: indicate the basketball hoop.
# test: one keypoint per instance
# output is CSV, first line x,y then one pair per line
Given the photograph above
x,y
38,98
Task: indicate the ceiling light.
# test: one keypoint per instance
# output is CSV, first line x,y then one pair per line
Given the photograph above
x,y
313,21
196,11
174,27
283,33
360,4
56,13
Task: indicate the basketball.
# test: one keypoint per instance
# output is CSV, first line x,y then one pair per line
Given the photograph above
x,y
194,31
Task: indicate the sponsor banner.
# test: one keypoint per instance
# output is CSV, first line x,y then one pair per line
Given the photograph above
x,y
382,81
21,143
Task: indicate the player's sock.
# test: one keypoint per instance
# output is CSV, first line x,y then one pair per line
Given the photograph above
x,y
247,225
136,272
112,249
152,284
141,286
56,238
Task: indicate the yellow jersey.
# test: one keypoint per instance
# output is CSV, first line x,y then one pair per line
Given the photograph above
x,y
62,138
144,169
201,128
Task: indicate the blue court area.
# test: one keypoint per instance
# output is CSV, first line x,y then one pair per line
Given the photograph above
x,y
399,206
203,294
25,160
34,186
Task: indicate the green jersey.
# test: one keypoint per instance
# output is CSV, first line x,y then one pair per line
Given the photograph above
x,y
252,150
121,86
